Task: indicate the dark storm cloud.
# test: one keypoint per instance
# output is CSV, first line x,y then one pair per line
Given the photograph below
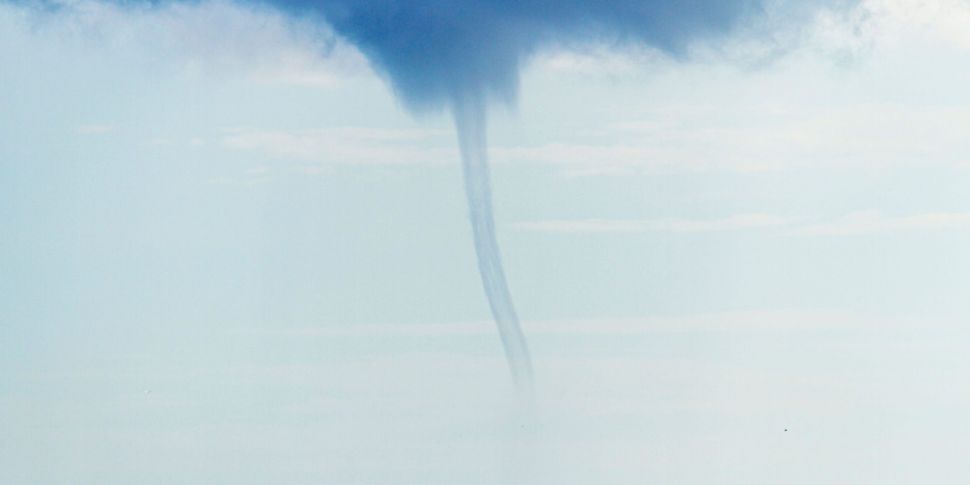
x,y
434,50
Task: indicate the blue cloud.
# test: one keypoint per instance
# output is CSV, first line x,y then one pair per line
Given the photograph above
x,y
435,50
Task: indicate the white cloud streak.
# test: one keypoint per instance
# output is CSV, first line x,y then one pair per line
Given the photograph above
x,y
345,145
770,138
734,321
870,222
731,223
852,224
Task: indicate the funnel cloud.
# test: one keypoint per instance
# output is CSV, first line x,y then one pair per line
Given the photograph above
x,y
469,114
461,54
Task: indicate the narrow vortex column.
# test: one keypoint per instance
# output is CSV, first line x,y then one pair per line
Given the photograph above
x,y
469,113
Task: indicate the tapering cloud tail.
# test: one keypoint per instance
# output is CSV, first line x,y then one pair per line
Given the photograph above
x,y
469,110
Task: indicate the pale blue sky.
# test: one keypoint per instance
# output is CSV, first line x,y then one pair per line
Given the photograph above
x,y
195,202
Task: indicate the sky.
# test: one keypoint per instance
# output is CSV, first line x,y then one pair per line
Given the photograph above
x,y
230,252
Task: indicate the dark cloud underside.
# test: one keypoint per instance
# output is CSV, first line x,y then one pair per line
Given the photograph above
x,y
433,50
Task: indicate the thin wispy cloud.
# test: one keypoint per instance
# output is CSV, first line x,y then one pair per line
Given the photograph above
x,y
731,223
707,322
855,223
771,137
344,145
667,140
871,222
